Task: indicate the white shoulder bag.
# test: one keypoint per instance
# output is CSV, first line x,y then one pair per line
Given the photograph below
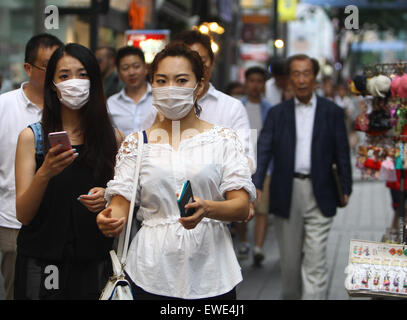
x,y
117,287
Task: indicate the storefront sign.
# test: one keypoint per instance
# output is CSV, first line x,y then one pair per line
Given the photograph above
x,y
150,41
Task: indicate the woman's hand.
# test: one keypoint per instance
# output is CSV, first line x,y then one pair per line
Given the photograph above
x,y
251,213
54,163
110,227
201,210
94,200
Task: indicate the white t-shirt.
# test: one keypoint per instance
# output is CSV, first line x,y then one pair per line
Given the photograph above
x,y
129,116
273,94
165,258
254,113
16,113
223,110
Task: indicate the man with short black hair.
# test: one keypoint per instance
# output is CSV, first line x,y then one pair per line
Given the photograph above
x,y
304,137
18,109
131,109
106,57
274,88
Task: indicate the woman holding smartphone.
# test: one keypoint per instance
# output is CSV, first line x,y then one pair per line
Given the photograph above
x,y
61,254
189,257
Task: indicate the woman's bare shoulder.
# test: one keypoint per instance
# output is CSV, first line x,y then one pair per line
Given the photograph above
x,y
26,136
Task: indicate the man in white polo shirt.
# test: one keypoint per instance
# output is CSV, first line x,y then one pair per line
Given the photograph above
x,y
18,109
131,108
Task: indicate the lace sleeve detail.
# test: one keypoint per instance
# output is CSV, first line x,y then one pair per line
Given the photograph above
x,y
236,171
231,135
126,162
128,148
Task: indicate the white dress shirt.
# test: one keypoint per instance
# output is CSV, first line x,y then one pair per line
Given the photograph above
x,y
16,113
304,125
223,110
273,94
129,116
165,258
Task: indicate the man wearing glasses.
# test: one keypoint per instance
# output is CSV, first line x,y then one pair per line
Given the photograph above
x,y
18,109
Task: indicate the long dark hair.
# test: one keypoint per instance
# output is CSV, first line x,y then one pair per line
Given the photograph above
x,y
100,145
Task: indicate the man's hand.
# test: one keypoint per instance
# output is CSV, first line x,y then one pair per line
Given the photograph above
x,y
258,197
346,199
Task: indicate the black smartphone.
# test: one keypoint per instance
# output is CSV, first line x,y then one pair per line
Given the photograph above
x,y
185,196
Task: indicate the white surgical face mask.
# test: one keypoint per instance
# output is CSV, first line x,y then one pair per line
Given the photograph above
x,y
173,102
74,92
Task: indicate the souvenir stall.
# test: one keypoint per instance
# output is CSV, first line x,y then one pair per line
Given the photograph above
x,y
380,268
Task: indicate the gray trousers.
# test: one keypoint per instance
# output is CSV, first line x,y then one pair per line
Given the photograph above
x,y
8,248
302,241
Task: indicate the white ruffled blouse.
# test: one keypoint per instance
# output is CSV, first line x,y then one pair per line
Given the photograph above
x,y
165,258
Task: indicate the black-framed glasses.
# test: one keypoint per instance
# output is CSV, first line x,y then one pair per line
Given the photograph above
x,y
39,68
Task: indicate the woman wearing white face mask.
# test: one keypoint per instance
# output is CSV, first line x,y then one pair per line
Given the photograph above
x,y
58,194
190,257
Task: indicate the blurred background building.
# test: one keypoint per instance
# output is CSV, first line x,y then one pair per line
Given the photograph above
x,y
245,32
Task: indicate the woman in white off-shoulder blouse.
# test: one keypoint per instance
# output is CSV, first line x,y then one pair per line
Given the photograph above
x,y
190,257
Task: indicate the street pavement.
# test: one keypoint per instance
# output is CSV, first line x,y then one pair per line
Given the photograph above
x,y
366,217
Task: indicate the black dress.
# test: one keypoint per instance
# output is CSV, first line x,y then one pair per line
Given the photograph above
x,y
62,254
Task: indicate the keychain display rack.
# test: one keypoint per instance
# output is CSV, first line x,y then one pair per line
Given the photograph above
x,y
380,268
376,269
397,138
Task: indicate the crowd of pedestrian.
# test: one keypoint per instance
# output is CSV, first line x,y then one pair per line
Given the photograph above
x,y
264,147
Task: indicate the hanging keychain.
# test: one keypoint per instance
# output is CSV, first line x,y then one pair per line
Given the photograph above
x,y
385,275
377,270
366,275
395,275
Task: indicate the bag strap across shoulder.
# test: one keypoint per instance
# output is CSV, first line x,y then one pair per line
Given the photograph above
x,y
123,245
38,137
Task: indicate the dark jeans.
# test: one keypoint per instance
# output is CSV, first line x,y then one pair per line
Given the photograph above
x,y
37,279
